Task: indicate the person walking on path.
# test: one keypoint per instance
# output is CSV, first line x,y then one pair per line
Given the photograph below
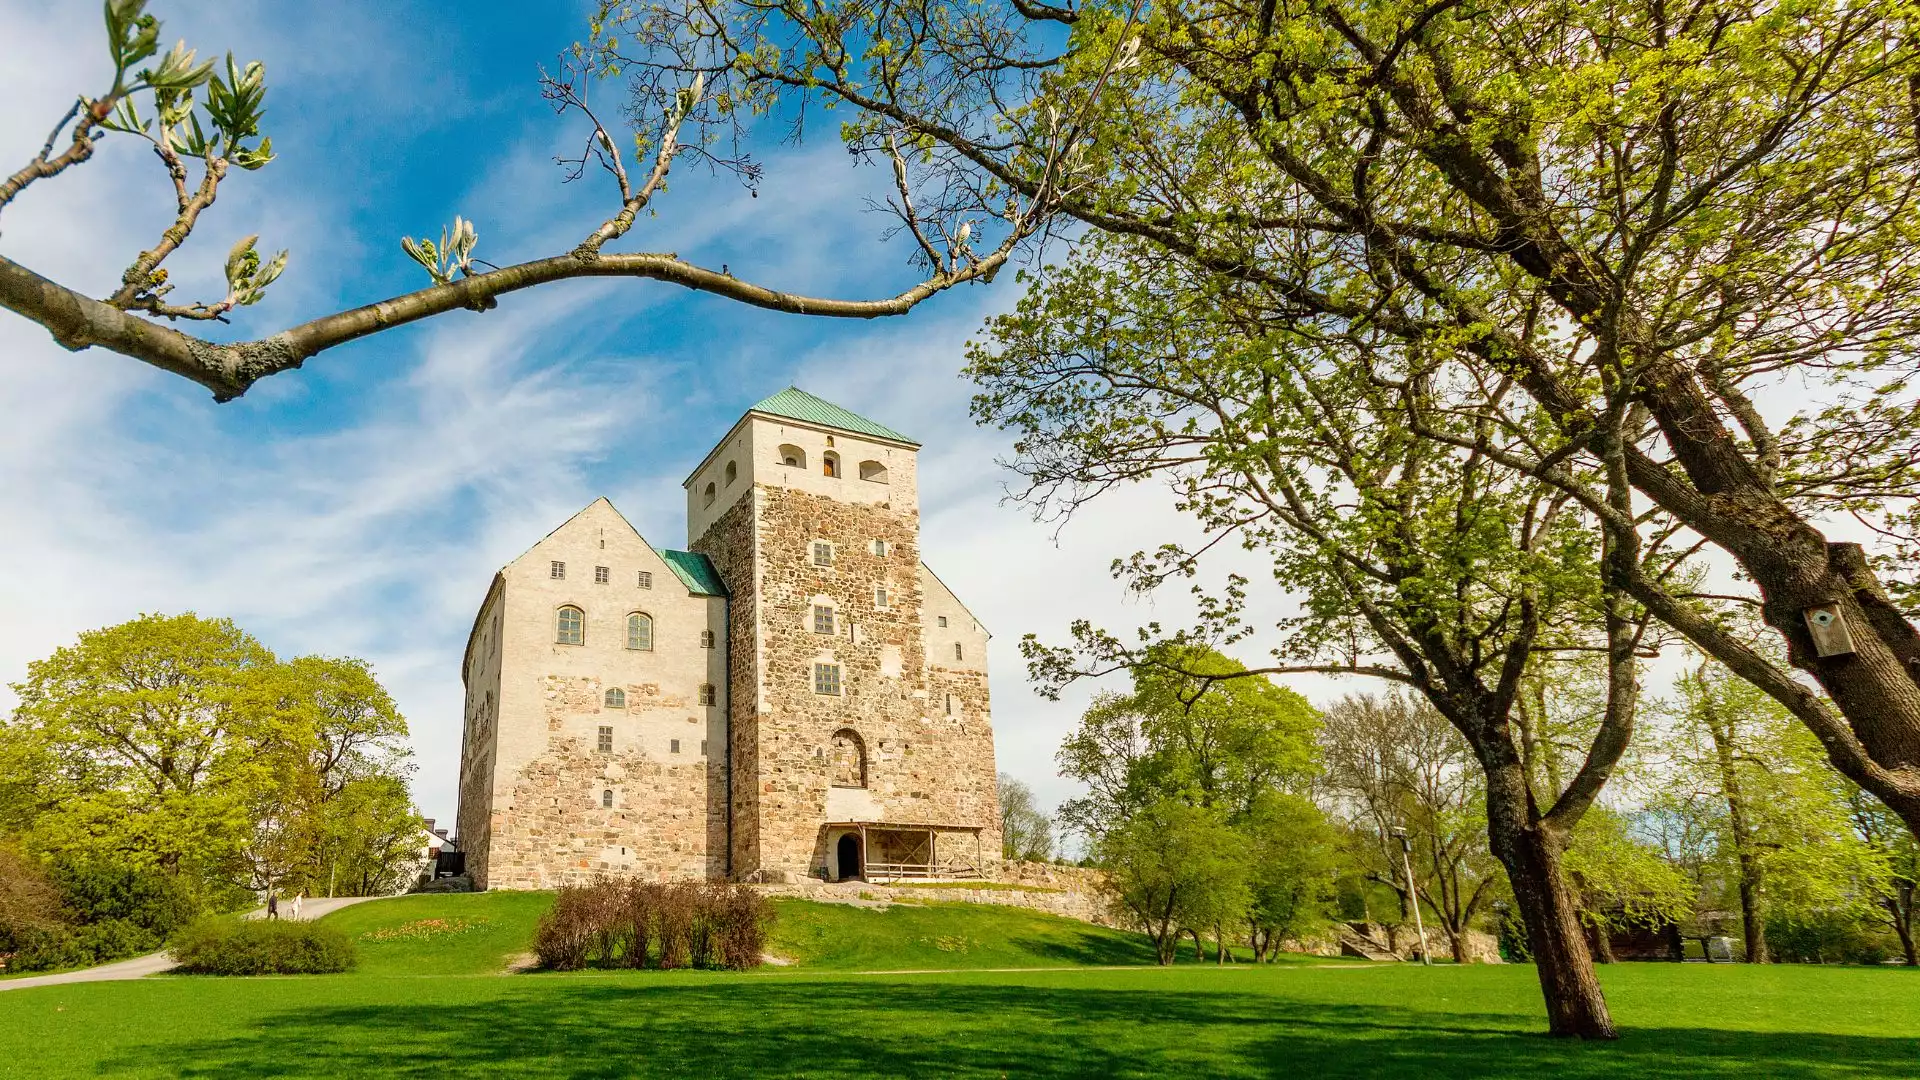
x,y
273,904
296,902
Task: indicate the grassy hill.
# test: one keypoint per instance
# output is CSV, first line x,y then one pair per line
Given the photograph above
x,y
480,933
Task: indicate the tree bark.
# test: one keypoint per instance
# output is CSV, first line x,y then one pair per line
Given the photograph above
x,y
1576,1006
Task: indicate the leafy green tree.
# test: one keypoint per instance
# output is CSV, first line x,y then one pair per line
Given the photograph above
x,y
157,736
1883,833
1175,866
1026,833
369,840
1785,840
180,744
1610,229
1292,865
1624,881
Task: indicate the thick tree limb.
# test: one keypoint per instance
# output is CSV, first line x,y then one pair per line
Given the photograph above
x,y
78,321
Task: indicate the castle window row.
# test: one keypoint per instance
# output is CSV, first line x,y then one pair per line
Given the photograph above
x,y
616,698
570,628
604,744
793,457
602,575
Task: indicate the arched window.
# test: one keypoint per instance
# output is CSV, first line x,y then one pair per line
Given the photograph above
x,y
830,464
570,626
606,798
616,698
874,471
640,631
793,455
849,759
733,473
707,499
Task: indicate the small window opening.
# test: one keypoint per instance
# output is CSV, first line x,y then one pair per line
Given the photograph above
x,y
708,696
673,746
644,579
606,740
873,471
557,570
880,596
793,456
600,575
959,651
703,748
822,619
826,679
943,620
616,698
706,639
707,499
822,553
640,631
830,464
606,798
733,473
880,548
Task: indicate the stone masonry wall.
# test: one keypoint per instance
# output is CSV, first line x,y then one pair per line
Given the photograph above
x,y
729,544
668,821
922,766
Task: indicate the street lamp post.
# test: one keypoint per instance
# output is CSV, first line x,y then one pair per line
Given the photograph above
x,y
1413,897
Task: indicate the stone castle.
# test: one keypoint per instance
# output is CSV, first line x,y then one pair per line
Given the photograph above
x,y
796,696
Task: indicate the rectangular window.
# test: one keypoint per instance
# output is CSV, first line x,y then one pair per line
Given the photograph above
x,y
703,748
826,679
880,597
949,704
822,619
943,620
708,696
606,798
606,740
600,575
822,553
645,579
706,639
673,746
880,548
557,570
959,651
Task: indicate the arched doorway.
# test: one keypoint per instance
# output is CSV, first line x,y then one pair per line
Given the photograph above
x,y
849,857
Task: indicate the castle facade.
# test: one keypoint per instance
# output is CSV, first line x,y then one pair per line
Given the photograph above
x,y
796,695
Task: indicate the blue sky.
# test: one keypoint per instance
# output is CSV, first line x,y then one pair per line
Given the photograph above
x,y
359,506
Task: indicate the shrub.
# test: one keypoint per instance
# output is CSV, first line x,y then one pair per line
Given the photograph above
x,y
228,946
639,924
1824,938
156,902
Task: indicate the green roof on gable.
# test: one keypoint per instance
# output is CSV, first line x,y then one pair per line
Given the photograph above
x,y
695,572
797,404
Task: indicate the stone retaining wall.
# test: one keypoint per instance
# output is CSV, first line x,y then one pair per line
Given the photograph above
x,y
1068,891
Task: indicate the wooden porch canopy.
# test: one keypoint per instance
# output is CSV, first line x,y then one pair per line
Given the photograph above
x,y
925,860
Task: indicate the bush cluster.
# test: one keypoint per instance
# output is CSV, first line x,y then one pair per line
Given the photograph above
x,y
639,924
229,946
1836,938
85,913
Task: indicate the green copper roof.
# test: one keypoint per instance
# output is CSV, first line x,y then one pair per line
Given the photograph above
x,y
798,404
695,572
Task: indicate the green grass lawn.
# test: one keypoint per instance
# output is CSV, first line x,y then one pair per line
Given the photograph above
x,y
429,1001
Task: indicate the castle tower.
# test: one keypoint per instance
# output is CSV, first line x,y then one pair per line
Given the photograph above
x,y
860,738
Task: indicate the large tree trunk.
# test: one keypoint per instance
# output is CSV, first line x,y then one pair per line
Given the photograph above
x,y
1459,944
1903,926
1576,1007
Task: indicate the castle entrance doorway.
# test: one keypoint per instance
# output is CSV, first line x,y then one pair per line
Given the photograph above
x,y
849,857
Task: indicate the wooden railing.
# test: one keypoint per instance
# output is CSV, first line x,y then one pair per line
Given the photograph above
x,y
879,871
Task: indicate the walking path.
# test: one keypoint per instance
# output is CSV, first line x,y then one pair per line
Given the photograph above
x,y
154,963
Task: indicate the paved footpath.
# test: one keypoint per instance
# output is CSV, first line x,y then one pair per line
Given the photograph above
x,y
154,963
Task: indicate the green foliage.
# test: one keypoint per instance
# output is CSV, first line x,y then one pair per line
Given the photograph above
x,y
1293,863
1172,866
1624,881
157,903
228,946
180,745
1827,937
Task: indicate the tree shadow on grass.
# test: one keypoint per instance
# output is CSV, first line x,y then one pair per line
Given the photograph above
x,y
1089,948
578,1028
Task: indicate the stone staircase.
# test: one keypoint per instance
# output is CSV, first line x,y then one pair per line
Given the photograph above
x,y
1359,944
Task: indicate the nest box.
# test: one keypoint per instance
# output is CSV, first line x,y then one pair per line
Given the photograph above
x,y
1829,630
